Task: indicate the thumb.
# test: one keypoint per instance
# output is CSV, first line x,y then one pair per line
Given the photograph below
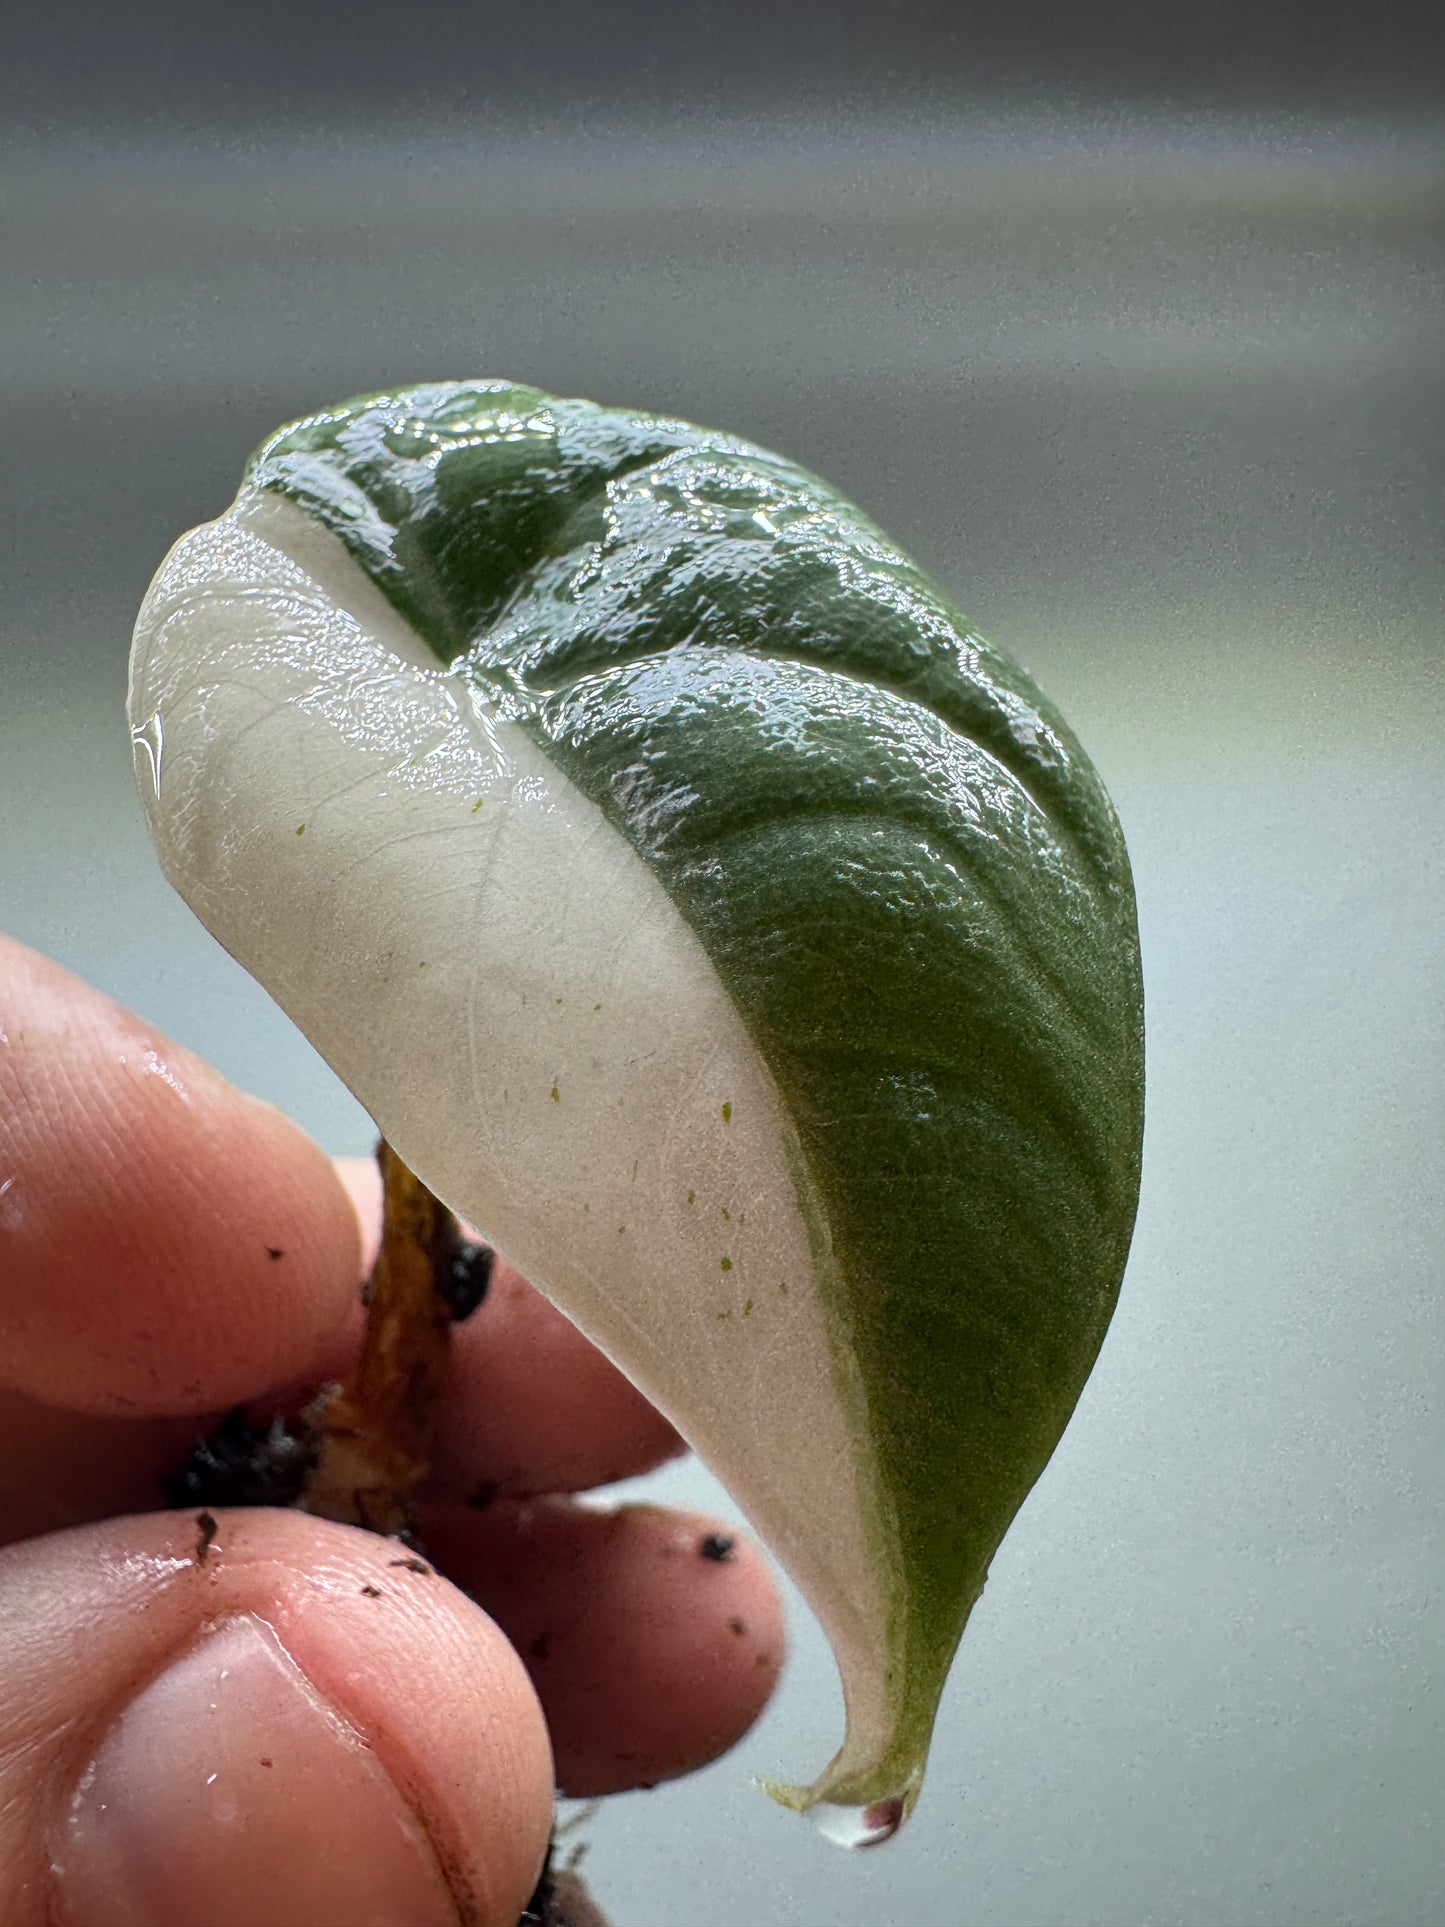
x,y
292,1725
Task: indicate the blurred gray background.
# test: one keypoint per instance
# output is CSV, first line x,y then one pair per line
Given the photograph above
x,y
1128,324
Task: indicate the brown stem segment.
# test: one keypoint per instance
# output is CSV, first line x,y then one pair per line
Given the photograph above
x,y
375,1429
372,1434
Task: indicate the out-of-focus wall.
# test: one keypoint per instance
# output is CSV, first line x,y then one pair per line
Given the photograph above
x,y
1156,390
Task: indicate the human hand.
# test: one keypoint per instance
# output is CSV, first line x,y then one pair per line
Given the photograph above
x,y
290,1725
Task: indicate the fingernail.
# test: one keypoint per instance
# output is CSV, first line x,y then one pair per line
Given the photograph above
x,y
228,1794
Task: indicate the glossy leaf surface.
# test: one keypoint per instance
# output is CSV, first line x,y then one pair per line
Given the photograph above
x,y
588,703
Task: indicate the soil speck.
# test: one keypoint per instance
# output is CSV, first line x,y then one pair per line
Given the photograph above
x,y
413,1564
206,1529
717,1546
464,1278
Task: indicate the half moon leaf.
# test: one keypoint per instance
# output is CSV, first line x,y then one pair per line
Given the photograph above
x,y
704,909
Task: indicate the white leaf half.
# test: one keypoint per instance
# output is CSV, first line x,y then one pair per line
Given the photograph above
x,y
509,991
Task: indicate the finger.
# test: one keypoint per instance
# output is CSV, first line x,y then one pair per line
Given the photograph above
x,y
532,1406
654,1638
61,1469
167,1244
284,1729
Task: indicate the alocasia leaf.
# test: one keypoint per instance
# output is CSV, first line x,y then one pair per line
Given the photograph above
x,y
704,909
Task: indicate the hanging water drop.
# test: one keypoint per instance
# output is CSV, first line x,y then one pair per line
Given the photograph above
x,y
866,1826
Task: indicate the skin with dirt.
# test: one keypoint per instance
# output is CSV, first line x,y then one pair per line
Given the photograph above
x,y
362,1447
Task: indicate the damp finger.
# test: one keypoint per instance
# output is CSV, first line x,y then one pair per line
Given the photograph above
x,y
258,1717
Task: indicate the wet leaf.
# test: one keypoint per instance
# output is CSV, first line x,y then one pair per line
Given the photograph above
x,y
704,909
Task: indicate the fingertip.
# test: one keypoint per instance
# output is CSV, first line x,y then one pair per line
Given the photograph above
x,y
275,1714
654,1638
170,1244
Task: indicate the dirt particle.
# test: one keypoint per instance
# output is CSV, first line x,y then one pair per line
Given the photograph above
x,y
737,1628
206,1529
464,1278
369,1591
561,1899
412,1564
763,1659
717,1546
266,1760
274,1251
242,1464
